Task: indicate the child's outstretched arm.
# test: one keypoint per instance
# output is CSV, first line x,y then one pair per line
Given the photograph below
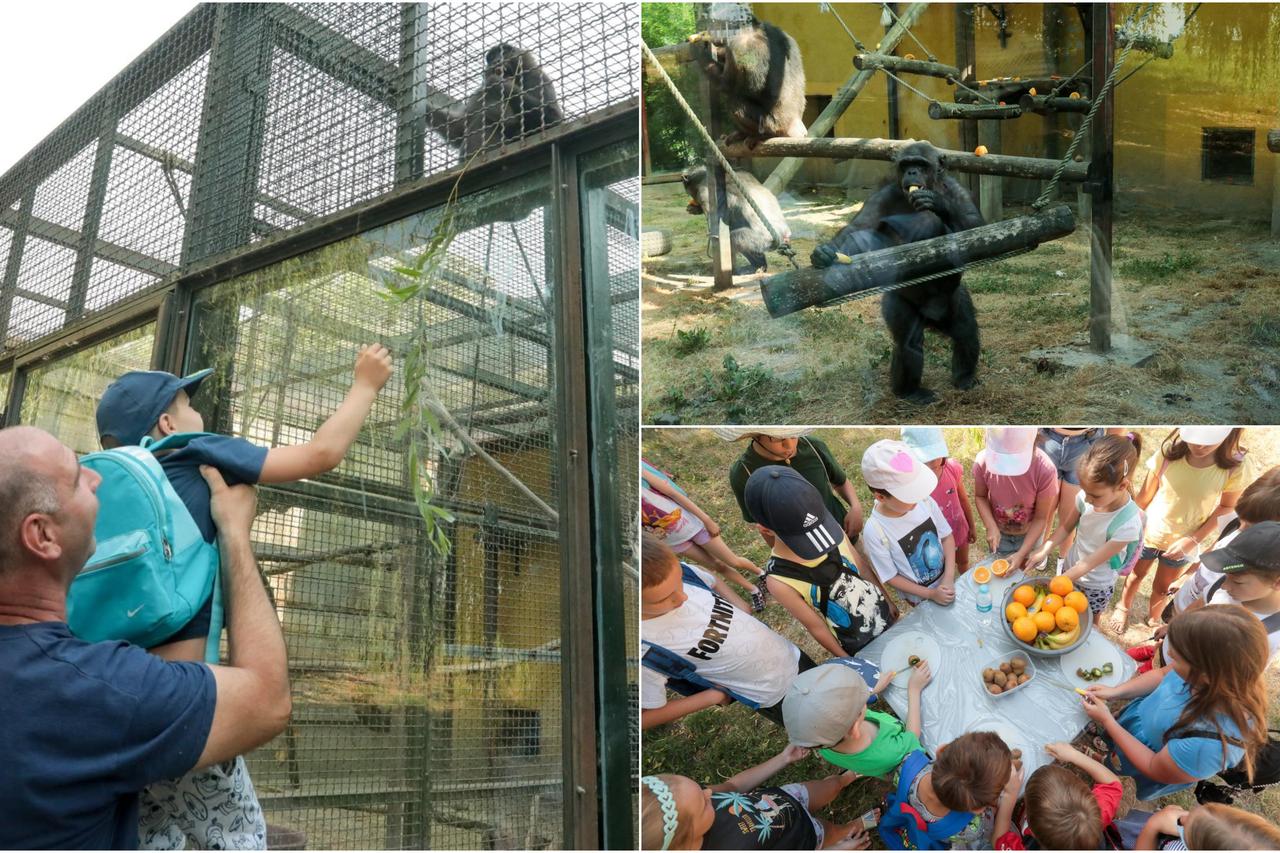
x,y
1004,814
1067,521
754,777
806,615
334,437
682,707
920,678
1163,822
1089,562
1098,772
721,589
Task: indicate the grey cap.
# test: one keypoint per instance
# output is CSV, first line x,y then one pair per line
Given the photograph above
x,y
822,705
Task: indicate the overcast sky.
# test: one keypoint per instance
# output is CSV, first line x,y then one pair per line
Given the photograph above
x,y
55,55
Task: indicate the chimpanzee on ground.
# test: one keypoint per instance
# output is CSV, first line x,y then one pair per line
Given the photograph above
x,y
761,74
922,202
747,234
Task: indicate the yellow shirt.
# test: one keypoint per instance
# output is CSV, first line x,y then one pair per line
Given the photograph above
x,y
1187,497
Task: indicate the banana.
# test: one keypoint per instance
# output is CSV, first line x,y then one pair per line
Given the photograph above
x,y
1059,639
842,258
1035,605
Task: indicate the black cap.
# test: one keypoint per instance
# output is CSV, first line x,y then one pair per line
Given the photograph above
x,y
789,505
1255,547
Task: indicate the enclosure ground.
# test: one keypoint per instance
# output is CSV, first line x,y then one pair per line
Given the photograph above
x,y
712,745
1203,295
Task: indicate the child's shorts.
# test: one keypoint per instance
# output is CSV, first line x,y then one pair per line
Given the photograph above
x,y
1149,553
1065,451
702,537
801,794
1099,596
211,809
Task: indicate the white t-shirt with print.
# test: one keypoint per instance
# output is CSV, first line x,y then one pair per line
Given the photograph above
x,y
1091,534
909,545
1224,597
727,646
1195,586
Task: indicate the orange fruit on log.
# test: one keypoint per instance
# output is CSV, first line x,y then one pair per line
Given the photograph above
x,y
1061,585
982,575
1051,603
1032,91
981,151
1044,621
1025,595
1014,611
1077,601
1075,95
999,568
1066,618
1025,629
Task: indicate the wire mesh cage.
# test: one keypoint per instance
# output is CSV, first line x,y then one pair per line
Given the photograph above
x,y
430,693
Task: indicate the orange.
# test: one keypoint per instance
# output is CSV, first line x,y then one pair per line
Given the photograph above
x,y
1051,603
1025,629
1061,585
1044,621
982,575
1014,611
1067,618
999,568
1025,595
1077,601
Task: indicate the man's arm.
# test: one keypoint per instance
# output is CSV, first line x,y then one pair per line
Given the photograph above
x,y
253,700
333,439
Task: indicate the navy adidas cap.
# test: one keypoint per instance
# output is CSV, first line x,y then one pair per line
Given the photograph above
x,y
789,505
133,403
1255,547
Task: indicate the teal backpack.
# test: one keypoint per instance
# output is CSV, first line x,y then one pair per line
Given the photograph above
x,y
152,570
1123,561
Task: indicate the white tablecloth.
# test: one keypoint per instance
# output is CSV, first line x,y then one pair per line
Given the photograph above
x,y
956,701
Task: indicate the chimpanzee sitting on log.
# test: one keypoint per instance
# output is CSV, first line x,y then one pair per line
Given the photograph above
x,y
922,202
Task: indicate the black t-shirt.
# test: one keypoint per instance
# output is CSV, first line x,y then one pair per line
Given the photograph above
x,y
763,819
813,461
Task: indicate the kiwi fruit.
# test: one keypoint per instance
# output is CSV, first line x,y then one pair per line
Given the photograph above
x,y
1001,679
1005,668
988,675
994,689
1018,664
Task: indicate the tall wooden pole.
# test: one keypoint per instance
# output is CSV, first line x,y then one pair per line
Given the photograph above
x,y
718,242
966,60
1102,174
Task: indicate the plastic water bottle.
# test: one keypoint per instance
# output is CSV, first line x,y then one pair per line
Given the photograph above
x,y
984,604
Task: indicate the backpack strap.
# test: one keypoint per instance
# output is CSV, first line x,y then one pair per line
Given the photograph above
x,y
173,441
821,576
676,667
1183,734
689,576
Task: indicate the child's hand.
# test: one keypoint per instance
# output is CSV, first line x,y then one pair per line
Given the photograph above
x,y
943,594
993,540
1014,784
1096,708
373,366
1166,819
1101,691
713,529
857,839
1079,570
792,753
1182,549
1039,555
921,675
973,535
885,679
1063,752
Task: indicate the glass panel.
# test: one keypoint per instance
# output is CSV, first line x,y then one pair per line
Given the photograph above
x,y
427,699
63,395
610,196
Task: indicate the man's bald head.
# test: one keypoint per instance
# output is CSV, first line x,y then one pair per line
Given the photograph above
x,y
28,484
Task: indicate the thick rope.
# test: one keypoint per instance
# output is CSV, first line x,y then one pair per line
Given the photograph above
x,y
856,42
715,150
933,57
1098,97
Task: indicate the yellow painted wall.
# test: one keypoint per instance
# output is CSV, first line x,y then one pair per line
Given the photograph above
x,y
1225,72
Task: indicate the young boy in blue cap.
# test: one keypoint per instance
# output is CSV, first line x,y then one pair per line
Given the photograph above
x,y
156,404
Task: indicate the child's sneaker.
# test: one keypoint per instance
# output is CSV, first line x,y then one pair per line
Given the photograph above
x,y
758,597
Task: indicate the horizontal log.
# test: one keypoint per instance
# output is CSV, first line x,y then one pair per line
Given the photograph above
x,y
902,65
855,148
1010,90
1146,44
1273,141
938,109
789,292
1044,104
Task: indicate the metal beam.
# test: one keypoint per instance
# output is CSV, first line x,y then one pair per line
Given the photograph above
x,y
97,196
72,239
20,223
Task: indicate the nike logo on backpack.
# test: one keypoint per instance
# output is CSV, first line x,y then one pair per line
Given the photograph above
x,y
134,612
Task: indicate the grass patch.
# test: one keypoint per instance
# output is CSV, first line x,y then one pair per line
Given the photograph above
x,y
1266,331
1153,270
688,342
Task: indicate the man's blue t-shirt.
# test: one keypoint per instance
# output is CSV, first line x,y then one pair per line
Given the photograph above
x,y
239,461
83,728
1149,718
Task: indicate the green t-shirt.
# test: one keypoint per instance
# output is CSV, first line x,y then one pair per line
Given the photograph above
x,y
892,744
813,461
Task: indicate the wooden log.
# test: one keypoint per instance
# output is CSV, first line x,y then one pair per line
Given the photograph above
x,y
789,292
1046,104
939,110
1273,141
901,65
840,101
1009,90
856,148
1146,44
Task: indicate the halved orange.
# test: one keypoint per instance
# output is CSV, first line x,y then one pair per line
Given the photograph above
x,y
999,568
982,575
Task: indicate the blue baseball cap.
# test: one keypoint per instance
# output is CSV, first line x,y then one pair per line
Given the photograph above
x,y
133,404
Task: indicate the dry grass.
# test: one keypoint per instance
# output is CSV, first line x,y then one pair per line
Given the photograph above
x,y
711,745
1205,296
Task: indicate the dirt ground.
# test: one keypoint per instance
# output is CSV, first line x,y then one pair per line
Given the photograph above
x,y
712,745
1202,296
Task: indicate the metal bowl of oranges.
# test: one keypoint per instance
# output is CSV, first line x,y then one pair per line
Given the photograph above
x,y
1048,617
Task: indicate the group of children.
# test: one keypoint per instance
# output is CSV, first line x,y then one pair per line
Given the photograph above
x,y
698,644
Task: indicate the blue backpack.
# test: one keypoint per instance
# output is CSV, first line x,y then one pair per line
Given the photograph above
x,y
903,828
1123,561
152,570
